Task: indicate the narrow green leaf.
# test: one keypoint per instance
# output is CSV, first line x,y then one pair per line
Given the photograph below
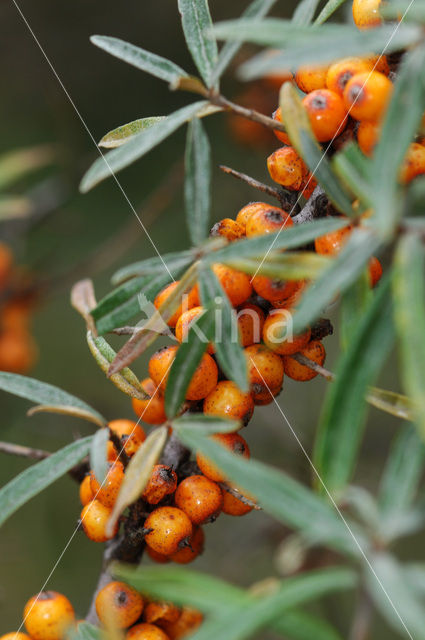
x,y
175,263
197,188
298,126
278,494
353,168
140,58
398,130
334,280
402,472
288,238
137,474
17,164
229,352
298,265
354,302
207,424
196,20
85,631
47,394
99,454
39,476
304,12
188,357
124,133
328,10
409,308
344,411
257,9
117,159
392,402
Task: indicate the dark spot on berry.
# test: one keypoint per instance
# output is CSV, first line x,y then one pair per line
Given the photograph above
x,y
344,79
319,102
273,216
122,598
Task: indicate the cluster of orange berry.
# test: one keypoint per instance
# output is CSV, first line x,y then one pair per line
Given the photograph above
x,y
17,347
50,616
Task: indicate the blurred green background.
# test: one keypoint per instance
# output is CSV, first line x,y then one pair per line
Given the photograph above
x,y
107,93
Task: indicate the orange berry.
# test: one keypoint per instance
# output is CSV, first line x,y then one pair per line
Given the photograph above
x,y
229,229
367,136
308,186
273,289
236,284
130,433
163,482
379,63
228,401
366,13
366,96
16,315
341,72
203,380
107,492
145,631
267,221
151,410
111,452
232,441
413,164
250,324
326,112
193,550
232,506
200,499
94,518
15,635
86,493
189,620
48,616
6,262
293,298
188,301
314,351
157,557
118,605
277,335
375,271
18,351
332,243
160,612
246,212
286,168
265,371
311,78
170,530
184,323
280,135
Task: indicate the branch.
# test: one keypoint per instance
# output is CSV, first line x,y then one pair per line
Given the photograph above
x,y
23,452
362,618
220,101
287,199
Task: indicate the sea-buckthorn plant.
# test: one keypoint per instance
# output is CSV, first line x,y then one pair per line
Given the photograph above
x,y
243,309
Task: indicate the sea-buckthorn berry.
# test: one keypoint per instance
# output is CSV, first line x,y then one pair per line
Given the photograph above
x,y
107,492
160,612
308,186
280,135
86,492
6,262
341,72
188,301
16,315
233,506
229,229
184,323
162,483
152,409
267,221
189,621
146,631
199,498
18,351
332,243
246,212
413,164
263,396
48,616
277,334
194,549
118,605
236,284
367,136
111,452
232,441
159,558
379,63
311,78
375,271
15,635
170,530
131,434
366,13
227,400
94,518
159,366
367,95
313,351
286,168
293,298
250,324
272,289
327,114
265,371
